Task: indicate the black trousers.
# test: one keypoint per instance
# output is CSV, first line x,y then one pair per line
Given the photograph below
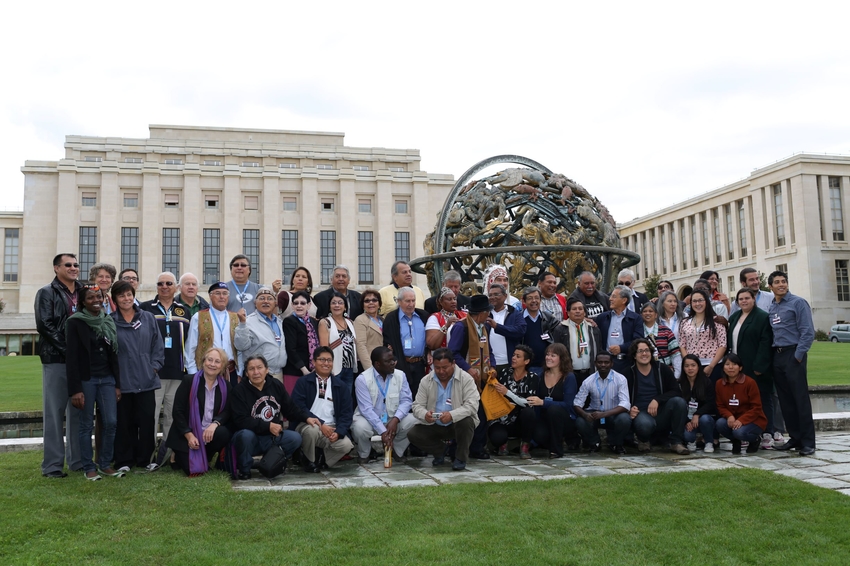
x,y
479,437
418,370
522,427
559,426
582,374
792,386
220,439
135,438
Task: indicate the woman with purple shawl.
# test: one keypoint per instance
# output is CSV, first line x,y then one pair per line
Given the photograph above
x,y
201,415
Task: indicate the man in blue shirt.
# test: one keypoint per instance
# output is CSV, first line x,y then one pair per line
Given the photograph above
x,y
793,334
750,278
619,326
404,334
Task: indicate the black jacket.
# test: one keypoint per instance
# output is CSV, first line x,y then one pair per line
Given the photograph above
x,y
254,409
431,303
561,335
297,349
392,337
706,404
632,328
180,413
305,392
666,386
638,300
78,358
322,301
51,313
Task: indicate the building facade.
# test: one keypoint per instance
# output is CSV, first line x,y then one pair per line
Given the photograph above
x,y
787,216
188,199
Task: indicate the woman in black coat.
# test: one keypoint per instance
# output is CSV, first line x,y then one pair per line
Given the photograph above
x,y
751,338
301,340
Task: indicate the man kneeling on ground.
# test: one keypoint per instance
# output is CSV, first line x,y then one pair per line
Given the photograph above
x,y
608,408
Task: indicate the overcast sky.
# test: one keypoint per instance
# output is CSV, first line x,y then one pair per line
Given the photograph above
x,y
645,104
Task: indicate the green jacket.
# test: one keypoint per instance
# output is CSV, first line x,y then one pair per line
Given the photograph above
x,y
755,340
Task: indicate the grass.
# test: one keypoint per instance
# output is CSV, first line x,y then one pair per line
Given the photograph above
x,y
20,377
715,517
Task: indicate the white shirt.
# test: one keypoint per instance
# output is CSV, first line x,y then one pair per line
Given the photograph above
x,y
497,342
324,408
220,339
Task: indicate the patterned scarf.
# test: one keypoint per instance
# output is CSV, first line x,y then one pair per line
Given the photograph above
x,y
198,458
312,340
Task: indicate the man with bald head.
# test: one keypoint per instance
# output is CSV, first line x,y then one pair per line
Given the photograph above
x,y
173,319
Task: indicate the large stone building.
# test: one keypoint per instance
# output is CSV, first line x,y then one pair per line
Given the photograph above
x,y
187,199
787,216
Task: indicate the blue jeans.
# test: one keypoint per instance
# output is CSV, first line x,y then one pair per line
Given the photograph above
x,y
102,391
706,427
248,445
617,426
671,416
749,432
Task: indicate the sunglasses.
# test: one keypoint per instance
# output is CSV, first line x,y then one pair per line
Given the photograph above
x,y
299,303
370,300
164,283
75,265
240,265
626,283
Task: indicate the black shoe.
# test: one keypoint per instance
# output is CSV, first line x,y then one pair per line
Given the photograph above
x,y
736,447
700,444
457,465
416,452
244,475
806,451
788,445
55,474
438,461
320,459
618,450
595,448
483,455
311,467
573,446
753,447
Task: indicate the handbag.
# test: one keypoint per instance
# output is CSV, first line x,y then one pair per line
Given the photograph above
x,y
495,404
273,462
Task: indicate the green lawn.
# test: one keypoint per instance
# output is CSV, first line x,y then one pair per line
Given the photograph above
x,y
20,377
719,517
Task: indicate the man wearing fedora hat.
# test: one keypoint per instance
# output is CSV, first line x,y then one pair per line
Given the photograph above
x,y
470,345
213,327
261,333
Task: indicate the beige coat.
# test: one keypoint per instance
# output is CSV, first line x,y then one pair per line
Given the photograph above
x,y
464,396
369,337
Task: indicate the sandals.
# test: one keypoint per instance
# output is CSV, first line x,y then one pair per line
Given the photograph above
x,y
95,477
111,472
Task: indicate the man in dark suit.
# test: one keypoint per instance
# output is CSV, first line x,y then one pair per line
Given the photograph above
x,y
339,284
404,334
619,327
627,278
452,280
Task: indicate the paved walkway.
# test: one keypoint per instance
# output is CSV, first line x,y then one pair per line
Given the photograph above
x,y
829,468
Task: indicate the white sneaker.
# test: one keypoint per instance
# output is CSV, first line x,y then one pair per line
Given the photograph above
x,y
152,467
709,448
766,441
778,438
125,469
692,446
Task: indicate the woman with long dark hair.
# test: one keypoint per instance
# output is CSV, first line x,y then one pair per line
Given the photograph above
x,y
301,334
556,391
699,334
698,393
740,416
337,332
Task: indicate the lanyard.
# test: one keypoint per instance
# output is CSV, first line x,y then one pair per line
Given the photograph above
x,y
220,325
241,291
272,322
383,389
410,329
602,392
167,314
581,340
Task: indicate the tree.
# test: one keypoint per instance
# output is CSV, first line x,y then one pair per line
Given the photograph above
x,y
650,285
763,282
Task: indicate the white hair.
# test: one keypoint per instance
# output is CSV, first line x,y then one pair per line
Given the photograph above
x,y
404,290
627,273
185,275
171,275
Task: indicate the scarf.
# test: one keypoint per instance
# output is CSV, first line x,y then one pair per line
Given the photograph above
x,y
477,353
198,458
102,325
312,340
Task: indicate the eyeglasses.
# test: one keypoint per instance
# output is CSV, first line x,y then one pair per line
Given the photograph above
x,y
164,283
129,278
626,283
325,360
373,300
665,288
299,303
697,301
75,265
644,351
240,265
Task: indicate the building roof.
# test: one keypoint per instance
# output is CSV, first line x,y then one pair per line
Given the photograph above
x,y
17,323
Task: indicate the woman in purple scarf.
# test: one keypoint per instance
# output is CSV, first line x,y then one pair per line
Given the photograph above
x,y
201,415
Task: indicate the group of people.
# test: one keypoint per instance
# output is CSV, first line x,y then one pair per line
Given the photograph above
x,y
319,377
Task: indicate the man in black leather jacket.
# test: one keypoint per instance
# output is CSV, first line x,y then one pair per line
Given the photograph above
x,y
54,303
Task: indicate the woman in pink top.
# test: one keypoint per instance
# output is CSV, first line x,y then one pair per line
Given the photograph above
x,y
701,336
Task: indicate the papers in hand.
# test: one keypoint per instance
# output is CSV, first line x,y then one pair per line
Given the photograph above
x,y
516,399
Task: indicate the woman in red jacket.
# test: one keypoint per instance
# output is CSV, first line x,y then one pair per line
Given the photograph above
x,y
739,406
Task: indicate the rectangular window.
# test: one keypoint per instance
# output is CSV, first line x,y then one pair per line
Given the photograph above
x,y
132,160
684,240
783,267
673,257
171,250
93,159
174,162
324,166
694,248
290,204
820,207
212,162
252,203
842,281
705,241
250,164
212,255
89,199
717,247
364,206
88,249
644,259
251,248
742,226
397,169
173,201
327,205
835,207
361,167
10,254
730,237
731,282
401,207
211,203
778,214
287,166
289,247
402,246
365,259
652,252
131,200
327,254
130,249
663,250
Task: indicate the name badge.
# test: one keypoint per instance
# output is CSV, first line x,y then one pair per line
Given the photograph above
x,y
693,405
276,339
384,418
733,402
168,341
582,344
548,398
408,344
544,336
775,320
482,340
137,325
449,401
615,334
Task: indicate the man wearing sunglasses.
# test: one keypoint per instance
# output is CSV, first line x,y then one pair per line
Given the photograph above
x,y
626,278
242,290
173,319
54,303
